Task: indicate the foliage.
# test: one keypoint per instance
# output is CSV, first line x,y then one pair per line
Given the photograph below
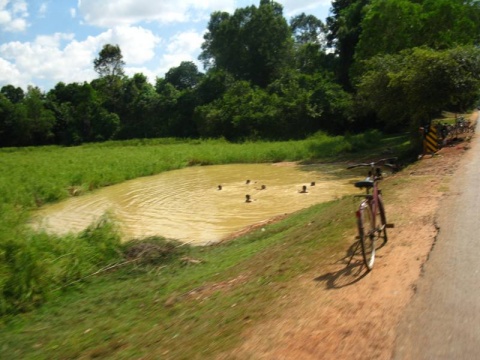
x,y
265,78
254,44
109,62
12,93
185,76
307,29
390,26
344,30
36,264
409,89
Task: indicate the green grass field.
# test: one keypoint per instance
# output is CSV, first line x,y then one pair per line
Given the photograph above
x,y
60,298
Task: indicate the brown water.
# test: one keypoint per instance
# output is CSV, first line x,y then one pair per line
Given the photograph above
x,y
187,204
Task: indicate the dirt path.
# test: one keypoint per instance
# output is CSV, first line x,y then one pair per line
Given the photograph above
x,y
341,312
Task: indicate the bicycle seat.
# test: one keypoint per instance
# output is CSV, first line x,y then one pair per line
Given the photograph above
x,y
364,184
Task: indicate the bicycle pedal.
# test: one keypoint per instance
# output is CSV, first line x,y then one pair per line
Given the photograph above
x,y
389,226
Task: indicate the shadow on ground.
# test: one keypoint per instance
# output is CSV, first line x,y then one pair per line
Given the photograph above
x,y
351,269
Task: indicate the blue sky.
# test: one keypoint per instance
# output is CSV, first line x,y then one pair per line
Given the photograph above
x,y
43,42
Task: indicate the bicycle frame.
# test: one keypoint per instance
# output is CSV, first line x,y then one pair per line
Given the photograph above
x,y
371,219
371,199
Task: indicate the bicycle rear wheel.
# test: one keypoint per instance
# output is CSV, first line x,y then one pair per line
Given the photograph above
x,y
366,232
381,221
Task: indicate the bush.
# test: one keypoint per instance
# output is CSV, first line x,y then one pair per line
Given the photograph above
x,y
34,265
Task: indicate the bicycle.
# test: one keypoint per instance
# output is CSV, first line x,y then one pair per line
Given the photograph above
x,y
371,218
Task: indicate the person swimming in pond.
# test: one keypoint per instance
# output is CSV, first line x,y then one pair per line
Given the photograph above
x,y
247,198
312,183
304,190
247,182
219,187
263,187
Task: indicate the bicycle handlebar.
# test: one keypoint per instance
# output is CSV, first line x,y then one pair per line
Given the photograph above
x,y
381,162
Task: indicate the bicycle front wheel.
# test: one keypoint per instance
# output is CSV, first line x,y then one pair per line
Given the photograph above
x,y
366,230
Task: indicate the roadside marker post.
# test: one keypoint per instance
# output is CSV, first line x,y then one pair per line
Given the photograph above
x,y
430,140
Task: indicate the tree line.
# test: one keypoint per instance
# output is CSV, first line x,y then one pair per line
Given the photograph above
x,y
390,64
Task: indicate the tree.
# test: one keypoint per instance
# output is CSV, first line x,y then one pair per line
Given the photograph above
x,y
307,29
343,34
310,45
449,23
390,26
6,125
244,112
185,76
40,119
109,62
80,116
254,44
139,110
109,65
213,85
408,89
12,93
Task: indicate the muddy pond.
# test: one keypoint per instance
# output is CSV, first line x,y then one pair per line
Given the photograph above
x,y
202,204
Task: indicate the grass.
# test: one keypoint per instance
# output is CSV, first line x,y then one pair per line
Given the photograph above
x,y
185,310
60,299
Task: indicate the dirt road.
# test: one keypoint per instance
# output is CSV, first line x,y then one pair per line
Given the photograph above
x,y
341,312
442,321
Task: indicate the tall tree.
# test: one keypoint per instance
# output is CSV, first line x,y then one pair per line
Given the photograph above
x,y
343,34
253,44
310,44
109,61
307,29
109,65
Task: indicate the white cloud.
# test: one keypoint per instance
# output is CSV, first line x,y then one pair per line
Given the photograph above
x,y
181,47
13,14
60,57
48,59
137,44
45,59
9,74
127,12
185,42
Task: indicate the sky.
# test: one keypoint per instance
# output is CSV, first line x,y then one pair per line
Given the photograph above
x,y
44,42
